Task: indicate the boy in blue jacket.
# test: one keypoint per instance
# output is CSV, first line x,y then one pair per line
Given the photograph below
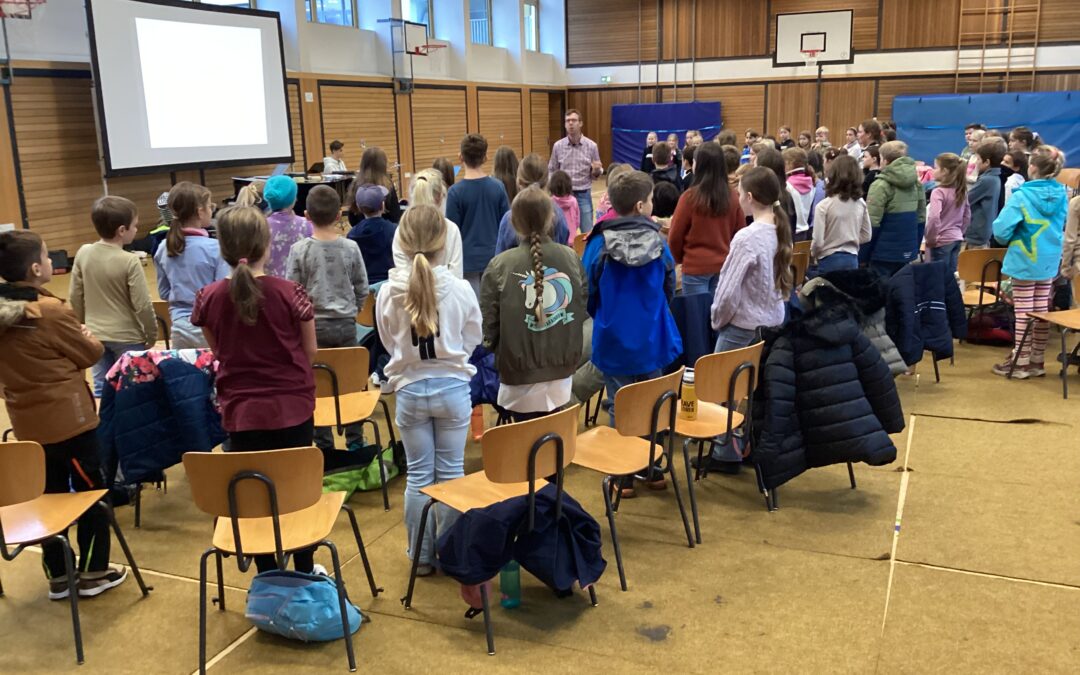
x,y
631,275
984,195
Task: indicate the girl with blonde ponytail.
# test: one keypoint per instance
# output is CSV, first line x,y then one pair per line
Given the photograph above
x,y
533,301
429,322
428,188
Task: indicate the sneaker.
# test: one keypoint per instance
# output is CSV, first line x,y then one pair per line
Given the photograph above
x,y
320,570
58,588
658,484
1036,369
103,581
1018,373
423,570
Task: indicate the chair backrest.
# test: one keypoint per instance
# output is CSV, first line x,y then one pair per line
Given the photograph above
x,y
801,246
22,472
579,243
634,404
713,374
980,264
1070,178
506,448
350,367
366,315
799,263
296,474
161,310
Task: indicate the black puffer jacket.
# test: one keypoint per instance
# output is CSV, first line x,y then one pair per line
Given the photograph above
x,y
825,397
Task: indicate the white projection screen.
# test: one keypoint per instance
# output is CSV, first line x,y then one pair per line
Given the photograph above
x,y
187,86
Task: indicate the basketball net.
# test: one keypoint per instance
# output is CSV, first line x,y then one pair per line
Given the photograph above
x,y
811,57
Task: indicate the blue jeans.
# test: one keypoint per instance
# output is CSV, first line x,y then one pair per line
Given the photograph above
x,y
113,352
699,283
584,201
728,338
474,282
950,253
613,383
838,261
433,417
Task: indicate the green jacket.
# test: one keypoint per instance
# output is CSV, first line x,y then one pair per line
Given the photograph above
x,y
897,207
528,351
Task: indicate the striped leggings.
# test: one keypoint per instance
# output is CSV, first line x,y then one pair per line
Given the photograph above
x,y
1031,296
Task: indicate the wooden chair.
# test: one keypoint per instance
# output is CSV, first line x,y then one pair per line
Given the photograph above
x,y
801,246
164,320
579,243
644,419
1066,320
980,268
366,315
515,456
1070,178
342,397
268,502
28,516
799,263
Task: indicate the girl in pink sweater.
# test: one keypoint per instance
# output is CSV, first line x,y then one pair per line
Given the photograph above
x,y
949,213
562,193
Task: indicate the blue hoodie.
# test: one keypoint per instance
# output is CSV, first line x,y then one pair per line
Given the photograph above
x,y
631,276
1032,223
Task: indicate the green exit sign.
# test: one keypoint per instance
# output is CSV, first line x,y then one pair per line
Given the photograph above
x,y
605,79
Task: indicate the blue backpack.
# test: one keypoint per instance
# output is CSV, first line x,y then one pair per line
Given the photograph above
x,y
299,606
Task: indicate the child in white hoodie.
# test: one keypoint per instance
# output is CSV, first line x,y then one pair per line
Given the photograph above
x,y
429,321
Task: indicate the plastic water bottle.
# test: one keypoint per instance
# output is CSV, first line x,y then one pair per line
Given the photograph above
x,y
688,403
510,585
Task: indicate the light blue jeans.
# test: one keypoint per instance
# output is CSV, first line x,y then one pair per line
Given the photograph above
x,y
113,352
433,417
728,338
584,201
699,283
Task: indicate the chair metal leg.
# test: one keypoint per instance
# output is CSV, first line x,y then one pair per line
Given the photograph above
x,y
487,620
851,475
775,499
202,609
690,486
340,581
382,467
605,486
761,486
363,551
700,472
937,373
220,599
592,595
127,551
389,423
678,499
1016,351
138,505
407,600
1066,359
73,595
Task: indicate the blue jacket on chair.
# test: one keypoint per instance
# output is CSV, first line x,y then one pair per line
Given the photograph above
x,y
924,311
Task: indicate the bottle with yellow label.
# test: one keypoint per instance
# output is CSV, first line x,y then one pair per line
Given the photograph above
x,y
688,402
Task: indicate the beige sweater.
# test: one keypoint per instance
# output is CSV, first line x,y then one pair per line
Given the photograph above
x,y
840,226
1070,249
109,295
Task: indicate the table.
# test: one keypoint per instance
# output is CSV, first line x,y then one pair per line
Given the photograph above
x,y
1066,320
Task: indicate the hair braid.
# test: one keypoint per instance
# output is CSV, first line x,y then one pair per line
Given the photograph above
x,y
538,277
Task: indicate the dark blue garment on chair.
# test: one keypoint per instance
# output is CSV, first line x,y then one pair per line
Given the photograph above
x,y
693,317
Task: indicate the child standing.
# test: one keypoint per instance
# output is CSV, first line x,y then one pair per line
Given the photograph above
x,y
374,234
531,171
476,203
1070,249
949,214
544,282
562,193
646,163
262,332
871,162
897,206
706,218
802,182
331,270
429,187
842,219
984,195
429,322
108,287
666,169
755,282
1017,162
286,228
686,176
505,169
631,277
44,353
1032,224
187,260
603,209
374,170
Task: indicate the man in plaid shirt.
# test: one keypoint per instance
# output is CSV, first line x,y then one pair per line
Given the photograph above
x,y
580,158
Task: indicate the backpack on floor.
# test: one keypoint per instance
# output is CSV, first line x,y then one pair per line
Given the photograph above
x,y
299,606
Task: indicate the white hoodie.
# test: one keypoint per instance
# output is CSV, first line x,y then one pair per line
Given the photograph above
x,y
447,353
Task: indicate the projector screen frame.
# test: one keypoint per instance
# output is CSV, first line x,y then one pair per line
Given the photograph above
x,y
99,102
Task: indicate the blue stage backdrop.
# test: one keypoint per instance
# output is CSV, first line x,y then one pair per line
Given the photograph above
x,y
931,125
630,124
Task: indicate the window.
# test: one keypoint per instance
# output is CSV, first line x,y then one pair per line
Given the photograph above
x,y
480,22
531,20
338,12
246,4
421,11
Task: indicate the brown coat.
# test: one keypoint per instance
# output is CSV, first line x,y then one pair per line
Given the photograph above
x,y
43,358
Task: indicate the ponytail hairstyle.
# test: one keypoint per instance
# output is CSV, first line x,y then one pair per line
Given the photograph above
x,y
427,188
532,215
953,174
1028,138
765,188
185,200
773,159
422,232
532,171
244,237
1047,160
794,160
251,194
505,171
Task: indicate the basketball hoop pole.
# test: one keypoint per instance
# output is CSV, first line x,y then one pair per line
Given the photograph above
x,y
811,60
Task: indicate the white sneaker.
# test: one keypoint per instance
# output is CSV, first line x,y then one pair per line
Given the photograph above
x,y
319,569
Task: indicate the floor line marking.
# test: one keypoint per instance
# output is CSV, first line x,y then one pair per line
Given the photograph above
x,y
904,478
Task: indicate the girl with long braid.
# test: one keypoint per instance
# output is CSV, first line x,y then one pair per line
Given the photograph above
x,y
533,301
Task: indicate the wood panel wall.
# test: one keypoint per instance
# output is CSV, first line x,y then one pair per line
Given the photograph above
x,y
742,106
300,162
361,115
438,123
500,118
608,31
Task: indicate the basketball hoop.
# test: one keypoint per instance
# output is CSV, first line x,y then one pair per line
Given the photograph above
x,y
426,49
18,9
811,56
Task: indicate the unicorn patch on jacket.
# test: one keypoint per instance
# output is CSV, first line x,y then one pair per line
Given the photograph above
x,y
557,295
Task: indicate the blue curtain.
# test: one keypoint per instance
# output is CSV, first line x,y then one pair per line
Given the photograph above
x,y
630,124
931,125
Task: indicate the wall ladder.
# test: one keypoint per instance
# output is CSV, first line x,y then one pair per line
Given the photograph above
x,y
997,40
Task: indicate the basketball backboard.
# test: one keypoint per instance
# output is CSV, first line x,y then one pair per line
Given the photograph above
x,y
827,33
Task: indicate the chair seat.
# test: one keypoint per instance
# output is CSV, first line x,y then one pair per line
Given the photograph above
x,y
711,421
475,491
299,529
971,297
45,516
354,408
605,450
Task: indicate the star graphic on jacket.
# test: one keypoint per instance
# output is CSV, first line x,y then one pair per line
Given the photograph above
x,y
1026,242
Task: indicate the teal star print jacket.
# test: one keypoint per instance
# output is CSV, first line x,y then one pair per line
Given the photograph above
x,y
1032,224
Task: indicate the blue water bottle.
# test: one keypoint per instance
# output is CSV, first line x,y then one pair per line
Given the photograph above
x,y
510,585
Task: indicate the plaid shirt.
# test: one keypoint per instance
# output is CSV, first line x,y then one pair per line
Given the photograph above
x,y
574,159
